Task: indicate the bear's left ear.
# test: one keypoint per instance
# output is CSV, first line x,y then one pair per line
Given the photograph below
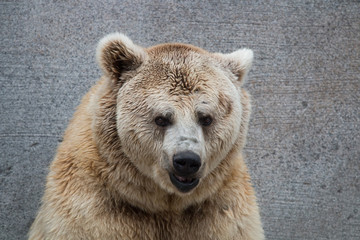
x,y
116,54
238,62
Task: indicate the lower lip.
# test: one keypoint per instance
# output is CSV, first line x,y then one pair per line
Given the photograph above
x,y
183,187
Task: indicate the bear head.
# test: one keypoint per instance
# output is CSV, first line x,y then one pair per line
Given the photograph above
x,y
175,112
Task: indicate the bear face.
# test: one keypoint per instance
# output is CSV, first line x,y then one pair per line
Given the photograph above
x,y
178,108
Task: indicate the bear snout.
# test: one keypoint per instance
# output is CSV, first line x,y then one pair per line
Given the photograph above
x,y
186,163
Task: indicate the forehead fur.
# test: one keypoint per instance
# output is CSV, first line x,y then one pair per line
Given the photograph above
x,y
184,66
174,47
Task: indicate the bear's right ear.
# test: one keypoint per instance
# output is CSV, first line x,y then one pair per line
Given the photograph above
x,y
116,54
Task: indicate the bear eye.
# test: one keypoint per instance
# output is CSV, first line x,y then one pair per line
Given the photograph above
x,y
162,121
205,121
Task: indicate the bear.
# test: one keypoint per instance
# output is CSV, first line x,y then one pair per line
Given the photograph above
x,y
154,150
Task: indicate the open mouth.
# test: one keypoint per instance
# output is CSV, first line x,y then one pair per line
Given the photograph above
x,y
183,184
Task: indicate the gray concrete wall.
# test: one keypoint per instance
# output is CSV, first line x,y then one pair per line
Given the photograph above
x,y
303,148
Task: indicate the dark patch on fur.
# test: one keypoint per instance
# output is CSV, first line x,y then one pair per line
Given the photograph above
x,y
181,82
225,104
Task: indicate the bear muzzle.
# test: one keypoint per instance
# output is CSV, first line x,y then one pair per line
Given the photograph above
x,y
186,165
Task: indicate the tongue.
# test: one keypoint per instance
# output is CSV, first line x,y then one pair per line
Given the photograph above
x,y
182,179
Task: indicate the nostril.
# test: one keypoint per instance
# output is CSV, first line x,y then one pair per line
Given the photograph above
x,y
181,162
186,163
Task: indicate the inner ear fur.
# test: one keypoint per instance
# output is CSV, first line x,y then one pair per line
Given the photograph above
x,y
117,54
238,62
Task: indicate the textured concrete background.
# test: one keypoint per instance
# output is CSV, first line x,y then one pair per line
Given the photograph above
x,y
303,148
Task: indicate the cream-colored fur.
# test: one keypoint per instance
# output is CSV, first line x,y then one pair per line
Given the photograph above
x,y
110,176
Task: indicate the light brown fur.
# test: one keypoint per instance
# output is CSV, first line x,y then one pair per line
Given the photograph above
x,y
102,185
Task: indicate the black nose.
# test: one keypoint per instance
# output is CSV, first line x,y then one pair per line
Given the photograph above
x,y
186,163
